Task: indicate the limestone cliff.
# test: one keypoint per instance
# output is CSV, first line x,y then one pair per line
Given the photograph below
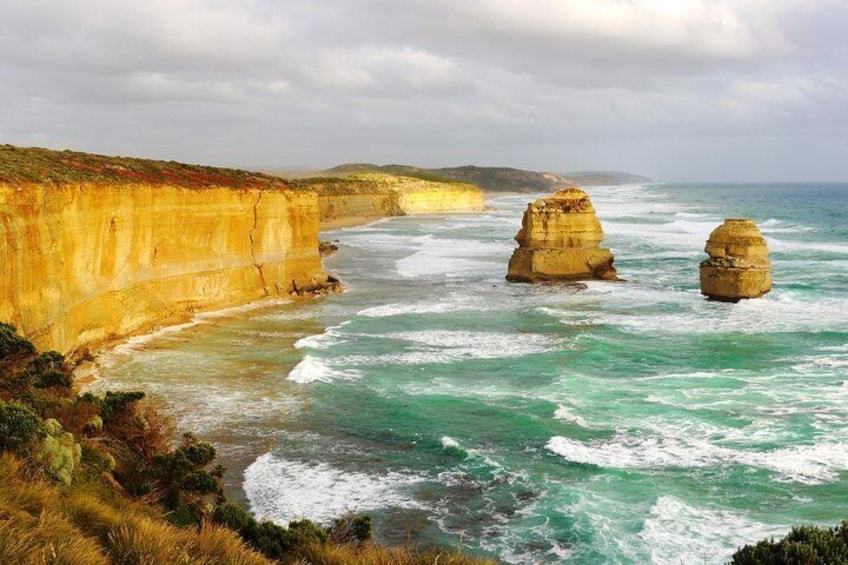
x,y
104,247
490,179
364,196
738,266
560,239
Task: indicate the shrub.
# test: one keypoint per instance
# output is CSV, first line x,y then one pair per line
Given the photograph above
x,y
18,426
277,542
233,516
179,474
804,545
12,345
350,529
60,453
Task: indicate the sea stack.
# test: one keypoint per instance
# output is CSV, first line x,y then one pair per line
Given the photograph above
x,y
739,265
559,240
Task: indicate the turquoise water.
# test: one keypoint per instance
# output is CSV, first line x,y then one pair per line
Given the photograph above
x,y
628,422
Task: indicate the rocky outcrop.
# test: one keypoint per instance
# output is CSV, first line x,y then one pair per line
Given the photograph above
x,y
560,239
367,196
83,263
738,266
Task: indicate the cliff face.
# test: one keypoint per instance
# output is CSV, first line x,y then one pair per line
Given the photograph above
x,y
370,196
559,240
83,263
738,266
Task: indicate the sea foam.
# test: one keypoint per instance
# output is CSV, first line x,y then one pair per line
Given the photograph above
x,y
312,369
282,490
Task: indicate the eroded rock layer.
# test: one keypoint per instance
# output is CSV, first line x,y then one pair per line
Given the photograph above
x,y
83,263
738,266
560,239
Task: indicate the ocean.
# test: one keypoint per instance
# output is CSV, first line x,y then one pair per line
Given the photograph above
x,y
600,423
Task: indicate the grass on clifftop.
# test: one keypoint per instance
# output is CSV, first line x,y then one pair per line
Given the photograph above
x,y
36,165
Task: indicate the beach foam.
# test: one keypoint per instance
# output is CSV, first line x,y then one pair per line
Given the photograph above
x,y
283,490
312,369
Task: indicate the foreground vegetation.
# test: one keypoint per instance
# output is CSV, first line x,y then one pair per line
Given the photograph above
x,y
804,545
100,480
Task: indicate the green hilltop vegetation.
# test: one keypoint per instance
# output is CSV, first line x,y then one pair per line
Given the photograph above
x,y
494,179
491,179
36,165
102,480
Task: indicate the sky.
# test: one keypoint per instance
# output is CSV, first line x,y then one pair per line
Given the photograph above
x,y
698,90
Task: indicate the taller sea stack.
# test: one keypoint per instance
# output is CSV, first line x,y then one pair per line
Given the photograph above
x,y
559,240
739,265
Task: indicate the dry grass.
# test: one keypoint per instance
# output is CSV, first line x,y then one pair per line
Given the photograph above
x,y
89,524
223,545
370,554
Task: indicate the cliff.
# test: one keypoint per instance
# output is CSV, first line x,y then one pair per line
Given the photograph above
x,y
560,239
367,196
105,247
738,265
490,179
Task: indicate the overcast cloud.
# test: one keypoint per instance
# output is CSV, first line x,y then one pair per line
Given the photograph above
x,y
674,89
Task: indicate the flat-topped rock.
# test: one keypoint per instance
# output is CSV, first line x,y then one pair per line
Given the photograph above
x,y
560,239
738,266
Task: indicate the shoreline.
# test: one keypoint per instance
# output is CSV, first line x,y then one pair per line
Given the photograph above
x,y
91,360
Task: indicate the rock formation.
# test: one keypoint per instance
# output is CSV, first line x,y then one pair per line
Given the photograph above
x,y
739,265
560,239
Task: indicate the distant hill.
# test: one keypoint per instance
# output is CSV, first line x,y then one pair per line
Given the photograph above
x,y
491,179
496,179
604,178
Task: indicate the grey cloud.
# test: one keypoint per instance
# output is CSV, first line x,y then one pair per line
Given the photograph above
x,y
547,84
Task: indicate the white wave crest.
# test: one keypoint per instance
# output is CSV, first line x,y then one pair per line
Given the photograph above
x,y
282,490
805,464
311,369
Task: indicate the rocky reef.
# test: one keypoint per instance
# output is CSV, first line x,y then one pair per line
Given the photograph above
x,y
738,266
560,240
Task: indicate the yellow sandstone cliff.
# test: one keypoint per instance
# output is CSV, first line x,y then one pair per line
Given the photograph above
x,y
83,263
94,248
367,196
738,266
560,239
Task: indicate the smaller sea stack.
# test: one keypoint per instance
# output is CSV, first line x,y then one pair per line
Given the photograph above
x,y
739,265
559,240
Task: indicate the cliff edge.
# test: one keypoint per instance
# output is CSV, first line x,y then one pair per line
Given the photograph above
x,y
93,248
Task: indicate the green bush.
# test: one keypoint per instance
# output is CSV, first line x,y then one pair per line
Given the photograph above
x,y
233,516
60,453
12,345
18,426
804,545
350,529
